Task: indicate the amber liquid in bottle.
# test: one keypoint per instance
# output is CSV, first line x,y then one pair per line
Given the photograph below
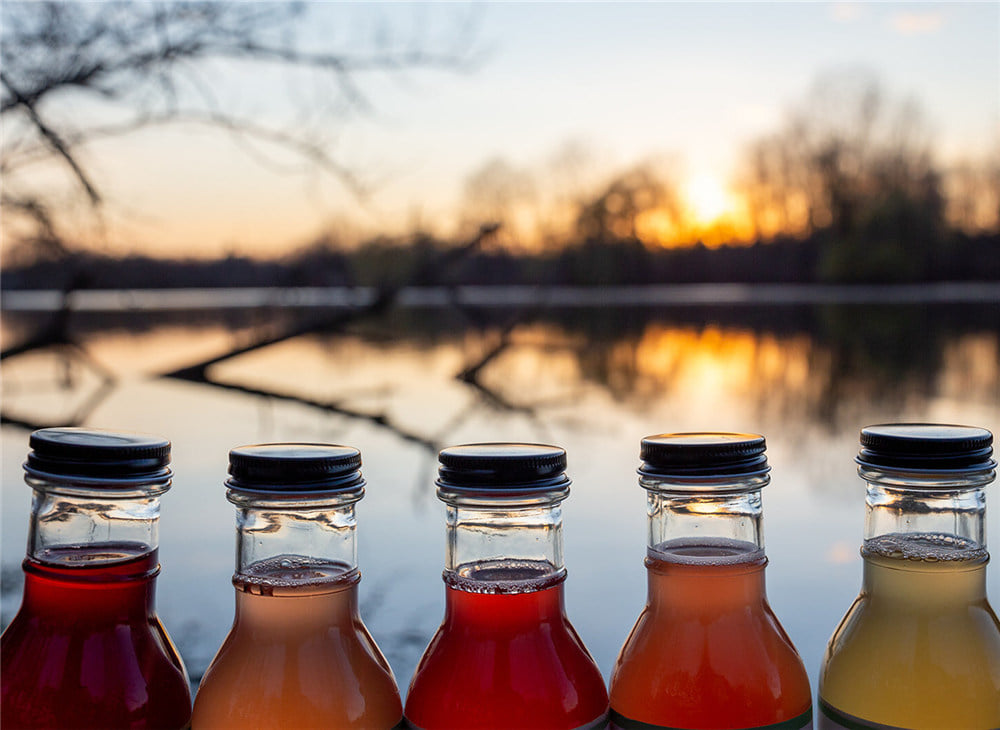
x,y
923,622
920,646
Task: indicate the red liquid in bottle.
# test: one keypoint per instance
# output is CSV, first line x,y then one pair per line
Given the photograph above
x,y
506,660
87,650
707,651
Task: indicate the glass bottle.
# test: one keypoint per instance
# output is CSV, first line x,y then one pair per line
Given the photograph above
x,y
505,655
298,654
707,651
86,649
920,646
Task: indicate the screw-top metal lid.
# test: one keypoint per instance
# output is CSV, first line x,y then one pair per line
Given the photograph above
x,y
98,458
703,455
926,447
294,468
502,467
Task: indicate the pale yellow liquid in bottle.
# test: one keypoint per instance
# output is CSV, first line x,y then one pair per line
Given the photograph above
x,y
920,647
298,656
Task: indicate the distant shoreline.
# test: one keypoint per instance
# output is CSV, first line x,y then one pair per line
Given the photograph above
x,y
430,297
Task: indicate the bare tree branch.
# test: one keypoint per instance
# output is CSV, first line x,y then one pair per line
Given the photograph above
x,y
379,419
53,139
149,64
383,301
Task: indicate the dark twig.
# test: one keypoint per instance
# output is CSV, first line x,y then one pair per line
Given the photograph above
x,y
379,419
143,59
470,374
53,139
72,349
384,301
428,272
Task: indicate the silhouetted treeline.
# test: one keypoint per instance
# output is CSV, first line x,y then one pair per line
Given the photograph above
x,y
92,271
599,261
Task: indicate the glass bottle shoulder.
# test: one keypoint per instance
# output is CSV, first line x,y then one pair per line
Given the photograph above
x,y
522,665
929,641
298,658
707,638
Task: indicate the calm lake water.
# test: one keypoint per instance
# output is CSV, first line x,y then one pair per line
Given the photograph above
x,y
593,379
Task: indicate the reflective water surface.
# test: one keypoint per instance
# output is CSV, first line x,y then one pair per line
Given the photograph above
x,y
594,380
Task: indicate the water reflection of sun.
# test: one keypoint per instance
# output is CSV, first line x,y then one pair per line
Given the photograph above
x,y
717,363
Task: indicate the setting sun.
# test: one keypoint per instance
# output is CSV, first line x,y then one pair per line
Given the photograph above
x,y
706,198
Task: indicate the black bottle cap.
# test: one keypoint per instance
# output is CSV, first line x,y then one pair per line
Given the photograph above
x,y
926,447
98,458
502,467
703,455
294,468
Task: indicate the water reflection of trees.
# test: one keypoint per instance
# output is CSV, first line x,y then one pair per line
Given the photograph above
x,y
815,363
818,363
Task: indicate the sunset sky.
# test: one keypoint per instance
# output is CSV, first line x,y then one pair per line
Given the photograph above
x,y
687,85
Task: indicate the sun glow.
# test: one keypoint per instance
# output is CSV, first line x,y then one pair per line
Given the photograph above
x,y
710,214
707,198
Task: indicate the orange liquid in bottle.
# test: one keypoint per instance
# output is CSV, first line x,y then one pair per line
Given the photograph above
x,y
506,660
707,651
298,655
